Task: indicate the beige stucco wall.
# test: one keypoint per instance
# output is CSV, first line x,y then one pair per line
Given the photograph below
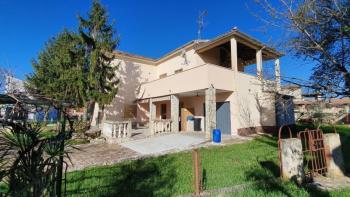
x,y
251,106
178,62
131,75
198,78
211,56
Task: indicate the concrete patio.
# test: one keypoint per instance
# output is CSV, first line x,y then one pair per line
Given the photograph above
x,y
142,145
165,143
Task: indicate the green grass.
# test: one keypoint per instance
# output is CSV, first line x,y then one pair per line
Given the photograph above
x,y
254,163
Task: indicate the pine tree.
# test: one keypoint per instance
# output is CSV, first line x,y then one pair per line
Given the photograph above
x,y
59,72
99,41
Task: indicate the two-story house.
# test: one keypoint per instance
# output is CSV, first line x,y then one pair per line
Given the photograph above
x,y
203,81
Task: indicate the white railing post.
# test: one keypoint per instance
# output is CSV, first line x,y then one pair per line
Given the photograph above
x,y
161,126
119,129
113,130
124,129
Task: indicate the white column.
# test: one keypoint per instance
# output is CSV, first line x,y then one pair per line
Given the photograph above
x,y
174,103
152,115
234,56
278,74
259,64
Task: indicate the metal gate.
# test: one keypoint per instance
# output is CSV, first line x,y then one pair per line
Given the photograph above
x,y
314,152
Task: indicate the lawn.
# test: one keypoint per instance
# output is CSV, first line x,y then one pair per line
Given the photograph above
x,y
253,164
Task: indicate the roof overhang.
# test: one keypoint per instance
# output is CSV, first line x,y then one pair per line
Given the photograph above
x,y
135,58
243,39
24,99
146,60
203,45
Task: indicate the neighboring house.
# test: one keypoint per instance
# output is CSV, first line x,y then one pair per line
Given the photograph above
x,y
294,91
313,107
199,86
334,110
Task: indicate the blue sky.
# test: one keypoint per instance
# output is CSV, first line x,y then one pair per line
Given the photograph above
x,y
148,28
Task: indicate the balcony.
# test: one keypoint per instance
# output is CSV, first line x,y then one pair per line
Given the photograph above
x,y
197,78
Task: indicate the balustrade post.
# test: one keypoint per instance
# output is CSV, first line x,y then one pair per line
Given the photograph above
x,y
112,130
124,129
119,129
129,129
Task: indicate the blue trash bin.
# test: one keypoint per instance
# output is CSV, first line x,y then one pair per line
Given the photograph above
x,y
216,136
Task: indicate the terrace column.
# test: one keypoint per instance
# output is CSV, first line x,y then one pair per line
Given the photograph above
x,y
278,74
174,103
259,64
152,115
234,56
210,111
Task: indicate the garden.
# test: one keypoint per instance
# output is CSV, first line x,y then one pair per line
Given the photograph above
x,y
248,169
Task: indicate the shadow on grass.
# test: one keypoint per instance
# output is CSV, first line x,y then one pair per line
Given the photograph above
x,y
271,141
137,178
266,179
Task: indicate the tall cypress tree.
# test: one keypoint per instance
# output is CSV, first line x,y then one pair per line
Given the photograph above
x,y
98,37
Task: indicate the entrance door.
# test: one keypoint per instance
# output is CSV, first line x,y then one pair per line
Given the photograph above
x,y
223,117
184,113
163,111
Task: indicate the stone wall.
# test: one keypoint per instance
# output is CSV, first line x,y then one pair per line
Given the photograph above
x,y
292,159
334,155
210,111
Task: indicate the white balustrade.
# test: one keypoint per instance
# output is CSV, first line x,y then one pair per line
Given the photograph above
x,y
117,129
161,126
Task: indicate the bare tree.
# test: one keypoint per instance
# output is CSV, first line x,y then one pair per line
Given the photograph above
x,y
318,31
4,73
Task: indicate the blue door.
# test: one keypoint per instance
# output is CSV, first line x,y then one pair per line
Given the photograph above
x,y
223,117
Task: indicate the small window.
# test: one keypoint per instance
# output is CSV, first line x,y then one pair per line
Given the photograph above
x,y
162,76
178,70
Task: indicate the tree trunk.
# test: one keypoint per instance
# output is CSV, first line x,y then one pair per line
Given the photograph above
x,y
60,164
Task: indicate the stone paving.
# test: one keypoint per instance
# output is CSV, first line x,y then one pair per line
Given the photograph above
x,y
326,183
100,154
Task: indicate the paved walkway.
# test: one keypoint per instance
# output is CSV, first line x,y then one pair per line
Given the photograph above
x,y
90,155
165,143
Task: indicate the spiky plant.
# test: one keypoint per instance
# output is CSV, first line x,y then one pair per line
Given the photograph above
x,y
31,159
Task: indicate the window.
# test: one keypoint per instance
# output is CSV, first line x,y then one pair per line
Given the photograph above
x,y
178,70
162,76
163,111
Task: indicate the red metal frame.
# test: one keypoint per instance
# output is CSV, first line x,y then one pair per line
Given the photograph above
x,y
314,152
